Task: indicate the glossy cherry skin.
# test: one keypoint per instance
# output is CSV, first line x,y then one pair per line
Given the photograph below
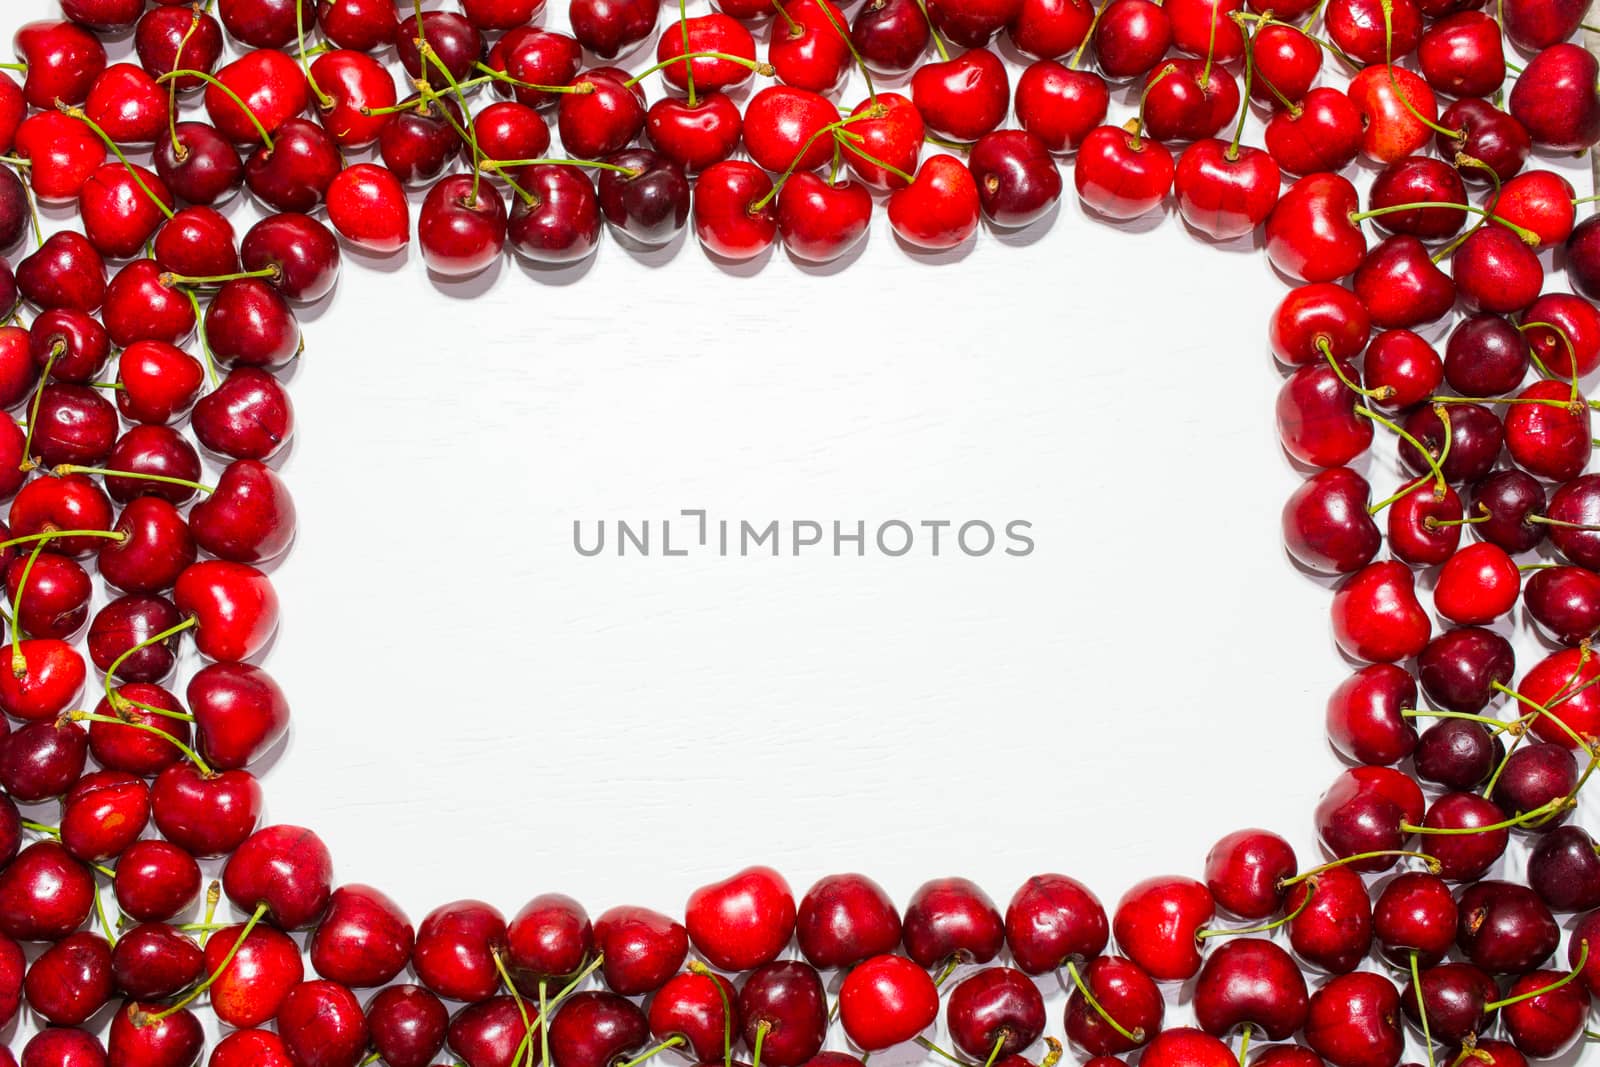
x,y
536,56
642,948
605,119
1324,135
1504,928
489,1031
1454,996
610,27
939,210
1156,921
962,98
1354,1020
419,142
1185,1047
203,168
886,1001
1565,602
363,940
248,416
61,1046
249,323
1464,856
103,814
461,230
65,272
45,894
287,870
1060,105
455,947
596,1029
1564,869
1326,526
1476,439
1555,98
205,816
1557,682
367,205
1309,235
1120,175
1317,420
321,1025
154,960
820,222
1415,913
1536,774
691,1007
786,998
1250,982
234,605
1563,329
454,41
155,881
695,137
1018,181
255,982
62,59
250,1048
1460,668
173,38
1495,270
1393,129
1128,995
1225,192
134,749
1053,920
845,918
950,918
997,1007
1478,585
57,596
726,218
239,713
562,223
1367,809
135,1038
650,204
72,980
1245,870
1131,37
407,1025
1552,1020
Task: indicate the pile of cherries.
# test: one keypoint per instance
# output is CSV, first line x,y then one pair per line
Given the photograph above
x,y
151,316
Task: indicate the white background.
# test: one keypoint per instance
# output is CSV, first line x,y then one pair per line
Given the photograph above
x,y
481,712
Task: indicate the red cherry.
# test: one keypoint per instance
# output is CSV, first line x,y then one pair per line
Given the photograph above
x,y
252,987
886,1001
321,1023
1182,1047
892,133
273,89
155,880
695,137
1309,234
1324,135
1060,105
205,816
1018,181
1354,1021
1122,175
285,870
551,937
641,949
62,153
1394,129
1245,871
1225,192
1131,37
363,940
962,98
367,205
1156,921
1127,994
691,1006
742,922
726,218
1054,920
1376,616
234,607
820,221
939,210
62,60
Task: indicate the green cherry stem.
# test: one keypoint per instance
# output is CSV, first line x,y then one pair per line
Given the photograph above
x,y
1135,1035
1244,1044
48,535
1384,853
40,828
323,99
763,69
688,71
169,632
111,720
19,665
1136,124
1528,236
116,150
1422,1008
936,1050
211,80
994,1053
1435,463
169,279
1394,82
1548,808
1588,749
830,128
672,1042
107,472
1263,928
200,332
696,967
849,42
141,1019
762,1029
1566,979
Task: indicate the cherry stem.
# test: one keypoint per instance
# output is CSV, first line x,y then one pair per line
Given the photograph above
x,y
171,631
1588,750
830,128
933,31
1528,236
1572,352
105,920
1422,1008
1394,82
179,152
213,81
323,98
200,332
1135,1035
28,462
1244,1043
994,1053
1566,979
931,1047
671,1042
116,150
425,50
40,828
194,994
28,539
763,69
111,720
1094,24
696,967
1435,463
1232,154
164,479
19,665
762,1029
1548,808
518,164
1400,853
1499,726
169,279
849,42
522,1007
489,75
1374,394
544,1031
1144,98
875,161
1263,928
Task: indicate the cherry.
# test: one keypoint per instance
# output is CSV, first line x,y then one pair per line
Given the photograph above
x,y
367,205
157,548
321,1023
691,1007
695,136
1309,236
742,922
1533,777
726,217
716,33
420,140
252,986
45,894
640,948
1250,982
1460,668
1285,58
69,503
784,1006
535,56
462,227
59,1046
155,961
1402,368
103,14
506,131
42,760
139,306
805,49
134,749
1476,436
609,28
1504,928
205,816
1495,270
1122,175
1131,1003
1564,869
646,198
454,42
57,602
1179,105
890,35
1419,179
1455,997
951,918
887,1000
1313,316
1156,921
1486,134
273,88
251,1048
1224,191
249,323
1184,1047
1415,914
1131,37
939,210
353,85
1565,602
455,950
122,626
1060,105
1317,420
996,1008
490,1031
1367,810
71,980
62,152
1354,1020
1549,434
234,607
1245,871
65,272
1556,99
117,209
295,173
782,126
821,221
265,23
1550,1019
200,165
1557,682
845,918
136,1038
596,1029
284,871
1463,855
1325,134
63,60
155,880
301,252
561,224
407,1024
1054,920
1485,356
169,39
1583,257
962,98
1563,330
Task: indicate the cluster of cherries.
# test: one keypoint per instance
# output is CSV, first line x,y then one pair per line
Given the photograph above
x,y
153,315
